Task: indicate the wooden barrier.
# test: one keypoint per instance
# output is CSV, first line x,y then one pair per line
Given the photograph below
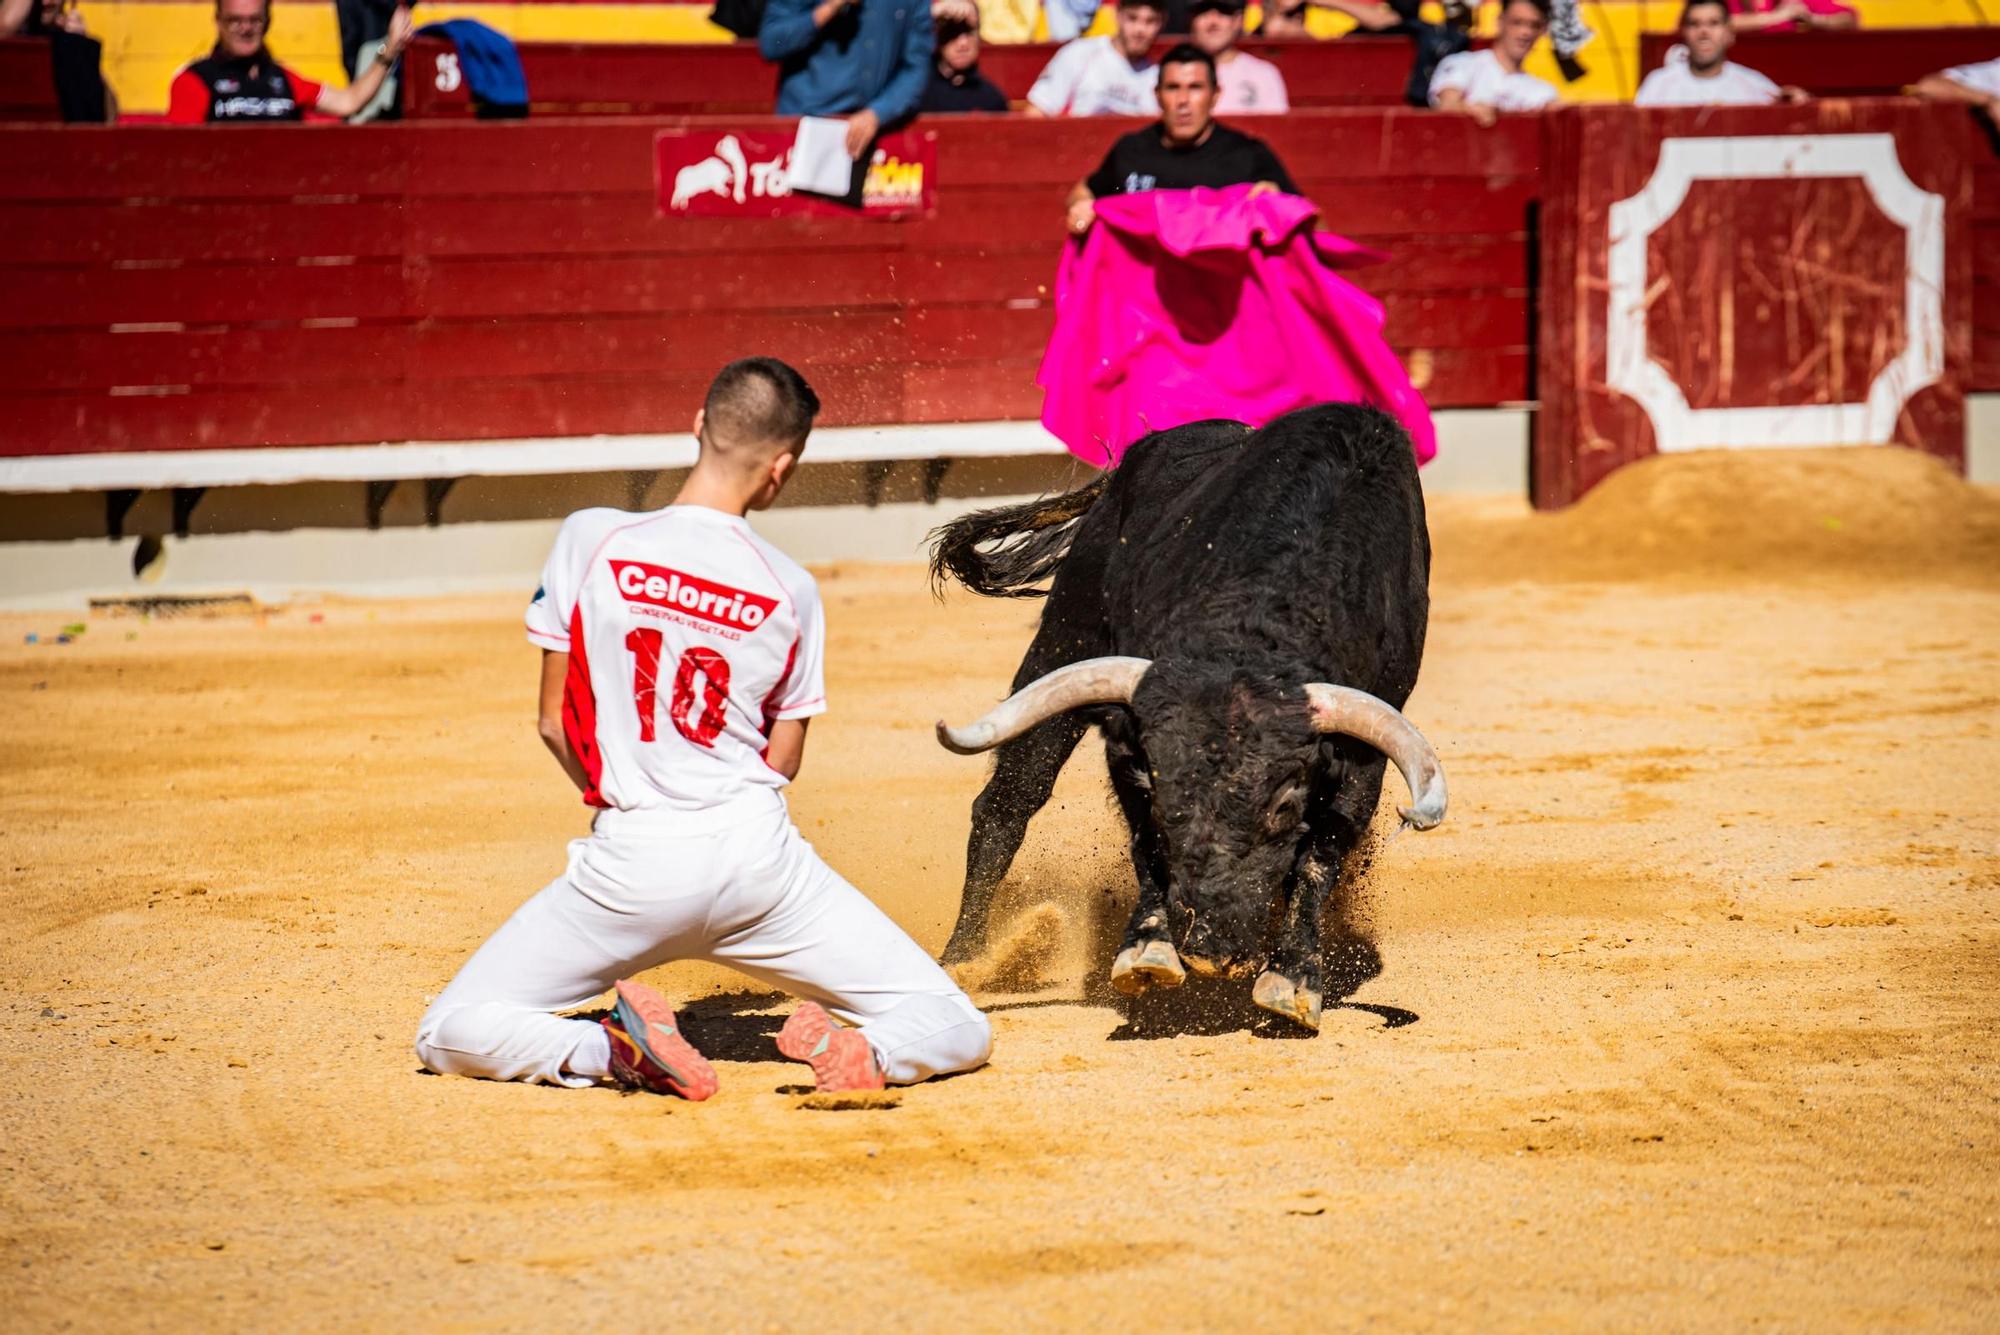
x,y
194,288
27,81
1752,277
1871,62
177,289
602,79
1882,62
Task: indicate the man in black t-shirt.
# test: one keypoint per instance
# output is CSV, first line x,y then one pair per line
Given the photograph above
x,y
1183,149
956,83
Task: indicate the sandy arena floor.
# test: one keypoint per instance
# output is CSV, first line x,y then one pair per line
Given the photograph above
x,y
1688,1016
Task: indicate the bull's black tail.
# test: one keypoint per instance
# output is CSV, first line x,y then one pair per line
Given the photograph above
x,y
1031,541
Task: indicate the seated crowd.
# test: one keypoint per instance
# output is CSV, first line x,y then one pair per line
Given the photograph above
x,y
877,65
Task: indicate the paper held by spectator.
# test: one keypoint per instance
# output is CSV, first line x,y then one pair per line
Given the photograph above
x,y
819,157
1189,304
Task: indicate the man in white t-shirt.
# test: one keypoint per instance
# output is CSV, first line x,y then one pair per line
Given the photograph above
x,y
1699,73
1978,85
1483,83
1248,86
681,660
1104,76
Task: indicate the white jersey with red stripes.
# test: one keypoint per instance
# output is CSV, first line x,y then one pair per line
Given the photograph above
x,y
688,636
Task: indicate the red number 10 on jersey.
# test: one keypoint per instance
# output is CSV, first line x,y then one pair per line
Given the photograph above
x,y
710,666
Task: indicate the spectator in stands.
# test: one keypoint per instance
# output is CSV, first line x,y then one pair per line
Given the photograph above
x,y
38,18
1699,73
956,83
1185,148
1977,85
75,57
1104,76
1067,20
865,61
240,80
1490,81
362,22
1287,18
1790,15
1250,86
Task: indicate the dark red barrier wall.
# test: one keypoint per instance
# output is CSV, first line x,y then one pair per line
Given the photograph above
x,y
177,288
1870,62
594,78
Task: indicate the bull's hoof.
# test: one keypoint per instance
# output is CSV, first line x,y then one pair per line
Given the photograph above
x,y
1148,964
1281,996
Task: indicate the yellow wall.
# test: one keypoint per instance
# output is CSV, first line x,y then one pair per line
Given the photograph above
x,y
145,43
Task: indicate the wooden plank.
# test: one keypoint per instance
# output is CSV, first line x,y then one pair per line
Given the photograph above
x,y
1424,208
1984,376
998,389
46,361
1472,377
619,404
531,158
1472,320
201,163
1404,142
615,224
647,285
1444,264
201,294
682,344
228,418
106,233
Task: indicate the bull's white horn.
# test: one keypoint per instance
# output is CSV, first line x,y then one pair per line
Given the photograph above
x,y
1090,681
1358,714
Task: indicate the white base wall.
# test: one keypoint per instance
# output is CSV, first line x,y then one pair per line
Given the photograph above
x,y
1982,438
1479,451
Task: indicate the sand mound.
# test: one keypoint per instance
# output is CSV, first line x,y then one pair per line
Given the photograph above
x,y
1746,514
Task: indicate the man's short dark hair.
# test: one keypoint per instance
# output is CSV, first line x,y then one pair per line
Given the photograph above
x,y
1160,5
1687,10
1187,53
759,400
1539,6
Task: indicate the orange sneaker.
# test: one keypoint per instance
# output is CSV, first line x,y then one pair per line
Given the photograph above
x,y
840,1058
647,1050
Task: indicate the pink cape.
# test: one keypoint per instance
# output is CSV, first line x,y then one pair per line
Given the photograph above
x,y
1182,305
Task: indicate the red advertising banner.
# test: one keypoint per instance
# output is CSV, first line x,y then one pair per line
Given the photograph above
x,y
720,172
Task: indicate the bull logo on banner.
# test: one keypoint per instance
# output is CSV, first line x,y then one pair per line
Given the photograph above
x,y
743,174
722,175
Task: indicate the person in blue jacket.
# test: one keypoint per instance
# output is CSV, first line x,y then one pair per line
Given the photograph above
x,y
866,60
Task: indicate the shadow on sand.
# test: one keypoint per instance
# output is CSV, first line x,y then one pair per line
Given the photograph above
x,y
1209,1006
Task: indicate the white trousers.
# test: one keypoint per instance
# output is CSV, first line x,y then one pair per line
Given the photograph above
x,y
752,895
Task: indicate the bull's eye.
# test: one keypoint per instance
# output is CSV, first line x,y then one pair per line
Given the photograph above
x,y
1285,808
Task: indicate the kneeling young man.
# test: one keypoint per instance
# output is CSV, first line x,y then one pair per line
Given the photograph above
x,y
681,659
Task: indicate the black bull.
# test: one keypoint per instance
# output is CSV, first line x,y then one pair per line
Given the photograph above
x,y
1242,615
